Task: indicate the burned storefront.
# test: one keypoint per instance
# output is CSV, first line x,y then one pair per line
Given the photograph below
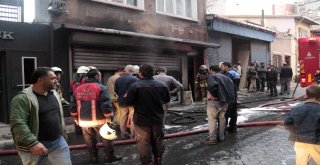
x,y
108,49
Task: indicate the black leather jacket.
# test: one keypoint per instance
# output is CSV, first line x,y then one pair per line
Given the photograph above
x,y
221,86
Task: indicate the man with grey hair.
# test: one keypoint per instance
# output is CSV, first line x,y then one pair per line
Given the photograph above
x,y
126,112
168,80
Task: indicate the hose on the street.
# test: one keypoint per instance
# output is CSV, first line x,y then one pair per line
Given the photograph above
x,y
185,119
167,136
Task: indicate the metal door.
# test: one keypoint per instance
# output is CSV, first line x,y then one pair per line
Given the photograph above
x,y
3,101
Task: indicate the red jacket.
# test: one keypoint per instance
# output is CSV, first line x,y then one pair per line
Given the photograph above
x,y
91,104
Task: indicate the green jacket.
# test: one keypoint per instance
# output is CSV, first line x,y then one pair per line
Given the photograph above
x,y
24,118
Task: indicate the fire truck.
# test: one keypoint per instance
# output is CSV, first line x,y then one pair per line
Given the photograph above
x,y
308,49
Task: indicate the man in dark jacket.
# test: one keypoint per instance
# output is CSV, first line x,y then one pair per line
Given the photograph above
x,y
272,78
285,79
303,123
91,109
221,92
150,99
232,106
262,71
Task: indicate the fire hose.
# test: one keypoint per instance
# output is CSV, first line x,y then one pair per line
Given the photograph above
x,y
167,136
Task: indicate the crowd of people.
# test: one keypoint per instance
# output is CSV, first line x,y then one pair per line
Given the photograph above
x,y
135,98
261,76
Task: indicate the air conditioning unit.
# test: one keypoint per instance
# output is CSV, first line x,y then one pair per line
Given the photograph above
x,y
56,8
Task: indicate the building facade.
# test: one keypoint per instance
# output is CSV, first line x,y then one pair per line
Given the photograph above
x,y
23,47
111,33
288,29
239,43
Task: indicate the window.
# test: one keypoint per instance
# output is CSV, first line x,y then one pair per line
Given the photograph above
x,y
10,13
28,66
178,8
303,33
126,3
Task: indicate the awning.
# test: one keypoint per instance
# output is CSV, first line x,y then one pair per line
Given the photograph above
x,y
142,35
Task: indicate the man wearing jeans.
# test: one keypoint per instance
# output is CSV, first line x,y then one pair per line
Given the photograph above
x,y
150,99
220,92
37,124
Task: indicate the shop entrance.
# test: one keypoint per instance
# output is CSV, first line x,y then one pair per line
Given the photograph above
x,y
3,95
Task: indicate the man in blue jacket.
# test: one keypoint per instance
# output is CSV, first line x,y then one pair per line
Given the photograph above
x,y
126,112
303,122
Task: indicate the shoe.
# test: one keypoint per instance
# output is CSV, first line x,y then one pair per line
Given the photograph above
x,y
232,129
210,142
112,159
158,160
221,139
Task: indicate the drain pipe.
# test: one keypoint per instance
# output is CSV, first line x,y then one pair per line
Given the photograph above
x,y
167,136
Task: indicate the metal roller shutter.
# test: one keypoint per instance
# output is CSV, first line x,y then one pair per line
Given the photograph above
x,y
259,51
108,60
223,53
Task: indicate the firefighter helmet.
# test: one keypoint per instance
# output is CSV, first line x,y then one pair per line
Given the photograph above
x,y
203,67
83,69
107,133
56,69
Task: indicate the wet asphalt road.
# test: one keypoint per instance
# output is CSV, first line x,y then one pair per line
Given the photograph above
x,y
250,145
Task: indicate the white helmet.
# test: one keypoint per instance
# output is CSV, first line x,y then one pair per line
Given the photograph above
x,y
107,133
135,69
83,69
56,69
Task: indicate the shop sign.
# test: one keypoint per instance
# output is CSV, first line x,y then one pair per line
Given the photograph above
x,y
6,35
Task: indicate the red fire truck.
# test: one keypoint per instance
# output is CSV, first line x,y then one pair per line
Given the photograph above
x,y
308,59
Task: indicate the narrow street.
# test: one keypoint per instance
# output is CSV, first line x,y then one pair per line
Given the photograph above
x,y
249,145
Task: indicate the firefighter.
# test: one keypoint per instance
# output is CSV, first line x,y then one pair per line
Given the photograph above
x,y
58,72
77,81
201,82
91,109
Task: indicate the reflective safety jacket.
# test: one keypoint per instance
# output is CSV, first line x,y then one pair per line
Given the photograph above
x,y
91,104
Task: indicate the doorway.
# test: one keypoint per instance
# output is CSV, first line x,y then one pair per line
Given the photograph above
x,y
4,117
